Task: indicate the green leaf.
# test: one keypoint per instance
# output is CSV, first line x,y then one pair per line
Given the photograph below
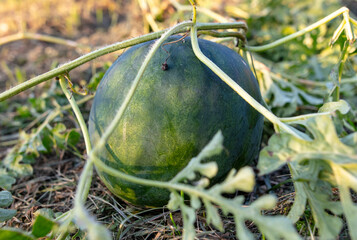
x,y
46,212
209,169
189,217
350,140
39,104
284,148
59,128
6,181
319,200
14,234
6,214
15,163
274,227
243,180
42,226
346,180
98,231
284,97
213,215
72,137
315,165
5,199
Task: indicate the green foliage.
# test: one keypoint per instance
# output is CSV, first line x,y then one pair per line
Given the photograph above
x,y
316,167
97,77
12,233
300,75
5,201
41,227
42,140
213,199
284,97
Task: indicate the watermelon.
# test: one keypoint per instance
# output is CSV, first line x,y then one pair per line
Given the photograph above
x,y
174,113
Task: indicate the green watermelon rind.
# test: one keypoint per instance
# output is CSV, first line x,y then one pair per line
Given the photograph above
x,y
173,115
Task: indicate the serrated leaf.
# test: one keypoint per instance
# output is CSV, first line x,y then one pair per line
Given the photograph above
x,y
284,148
346,181
5,199
210,169
274,227
243,180
268,226
265,202
311,162
12,233
6,214
174,202
189,217
286,97
342,106
214,147
213,216
42,226
329,225
241,231
195,202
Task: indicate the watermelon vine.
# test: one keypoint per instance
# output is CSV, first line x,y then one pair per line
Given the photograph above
x,y
313,170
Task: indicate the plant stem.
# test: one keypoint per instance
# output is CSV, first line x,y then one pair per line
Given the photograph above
x,y
77,112
299,33
341,63
255,104
226,34
86,177
109,49
42,37
202,193
293,120
194,11
203,10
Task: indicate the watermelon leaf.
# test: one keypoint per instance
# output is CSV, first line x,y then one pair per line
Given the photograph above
x,y
213,199
316,167
42,226
5,201
12,233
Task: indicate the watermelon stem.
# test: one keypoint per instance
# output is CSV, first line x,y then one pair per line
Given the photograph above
x,y
238,89
346,18
109,49
82,217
